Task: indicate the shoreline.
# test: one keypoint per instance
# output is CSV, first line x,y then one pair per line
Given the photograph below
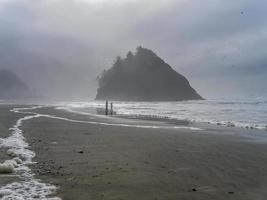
x,y
94,161
252,133
18,180
224,124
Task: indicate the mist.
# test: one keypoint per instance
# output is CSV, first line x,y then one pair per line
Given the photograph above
x,y
59,47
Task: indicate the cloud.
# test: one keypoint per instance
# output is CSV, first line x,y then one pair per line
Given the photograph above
x,y
59,44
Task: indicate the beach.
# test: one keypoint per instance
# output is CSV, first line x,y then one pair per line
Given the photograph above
x,y
97,157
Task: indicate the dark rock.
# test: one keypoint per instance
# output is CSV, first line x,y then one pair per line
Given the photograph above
x,y
144,77
194,189
81,152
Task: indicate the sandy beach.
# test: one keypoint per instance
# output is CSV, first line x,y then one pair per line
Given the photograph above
x,y
100,161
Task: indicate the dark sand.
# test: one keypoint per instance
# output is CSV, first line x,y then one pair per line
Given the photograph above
x,y
108,162
7,121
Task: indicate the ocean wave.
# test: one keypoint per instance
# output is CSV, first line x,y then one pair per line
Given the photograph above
x,y
238,112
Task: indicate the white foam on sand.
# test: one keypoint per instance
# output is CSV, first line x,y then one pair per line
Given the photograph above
x,y
6,168
122,125
27,187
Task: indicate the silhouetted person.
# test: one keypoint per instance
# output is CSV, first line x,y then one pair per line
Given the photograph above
x,y
106,107
111,108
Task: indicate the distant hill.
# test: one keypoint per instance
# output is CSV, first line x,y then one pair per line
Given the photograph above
x,y
143,76
11,86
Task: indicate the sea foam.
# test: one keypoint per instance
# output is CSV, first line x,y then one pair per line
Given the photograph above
x,y
6,168
27,187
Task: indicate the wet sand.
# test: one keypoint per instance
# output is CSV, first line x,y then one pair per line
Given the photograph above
x,y
7,120
89,161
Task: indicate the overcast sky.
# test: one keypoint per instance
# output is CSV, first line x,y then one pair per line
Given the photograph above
x,y
59,46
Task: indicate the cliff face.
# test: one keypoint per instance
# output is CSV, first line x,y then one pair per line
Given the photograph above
x,y
12,87
143,77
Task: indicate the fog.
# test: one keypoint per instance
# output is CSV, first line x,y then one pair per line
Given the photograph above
x,y
58,47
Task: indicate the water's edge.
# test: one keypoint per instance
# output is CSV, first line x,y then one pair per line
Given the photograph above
x,y
26,185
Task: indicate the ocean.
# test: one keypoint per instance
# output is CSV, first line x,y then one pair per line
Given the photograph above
x,y
239,112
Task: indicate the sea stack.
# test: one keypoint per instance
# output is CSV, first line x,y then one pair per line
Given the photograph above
x,y
143,76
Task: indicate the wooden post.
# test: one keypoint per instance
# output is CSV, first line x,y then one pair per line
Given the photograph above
x,y
111,108
106,107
